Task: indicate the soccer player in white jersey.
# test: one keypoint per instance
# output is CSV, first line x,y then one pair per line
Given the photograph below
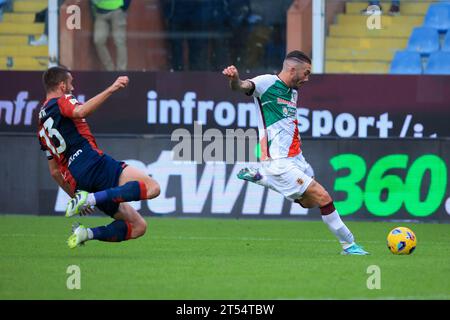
x,y
283,167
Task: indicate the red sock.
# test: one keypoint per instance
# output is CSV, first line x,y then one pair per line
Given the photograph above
x,y
327,209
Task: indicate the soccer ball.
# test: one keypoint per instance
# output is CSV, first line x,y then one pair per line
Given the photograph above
x,y
401,240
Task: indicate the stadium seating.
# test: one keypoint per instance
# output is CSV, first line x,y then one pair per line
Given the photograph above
x,y
421,28
406,62
16,30
446,44
2,3
424,40
431,41
438,64
438,16
351,47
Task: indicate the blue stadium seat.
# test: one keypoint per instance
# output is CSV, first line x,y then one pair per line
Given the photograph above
x,y
424,40
438,16
439,63
406,62
446,45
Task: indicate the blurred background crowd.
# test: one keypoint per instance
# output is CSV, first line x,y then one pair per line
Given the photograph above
x,y
410,36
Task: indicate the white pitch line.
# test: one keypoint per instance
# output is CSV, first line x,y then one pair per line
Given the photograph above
x,y
18,235
253,239
29,235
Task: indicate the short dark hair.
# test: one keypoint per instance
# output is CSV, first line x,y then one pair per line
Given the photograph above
x,y
298,55
53,76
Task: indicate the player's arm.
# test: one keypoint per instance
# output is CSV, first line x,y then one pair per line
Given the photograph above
x,y
237,84
86,109
56,175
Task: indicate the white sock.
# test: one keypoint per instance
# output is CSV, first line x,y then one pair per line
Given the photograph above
x,y
339,229
91,199
90,234
265,183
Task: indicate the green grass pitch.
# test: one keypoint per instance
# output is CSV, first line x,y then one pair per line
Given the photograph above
x,y
182,258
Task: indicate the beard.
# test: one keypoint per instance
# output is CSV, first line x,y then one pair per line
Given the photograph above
x,y
68,90
297,83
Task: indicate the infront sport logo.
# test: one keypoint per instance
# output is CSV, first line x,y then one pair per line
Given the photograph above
x,y
19,111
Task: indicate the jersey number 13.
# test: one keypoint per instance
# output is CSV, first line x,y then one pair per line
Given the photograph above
x,y
48,132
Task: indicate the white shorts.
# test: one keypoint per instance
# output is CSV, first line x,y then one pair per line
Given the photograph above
x,y
288,176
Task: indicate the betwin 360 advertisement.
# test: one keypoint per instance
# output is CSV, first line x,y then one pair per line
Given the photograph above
x,y
373,179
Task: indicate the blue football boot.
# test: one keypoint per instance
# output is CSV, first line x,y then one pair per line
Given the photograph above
x,y
354,249
249,174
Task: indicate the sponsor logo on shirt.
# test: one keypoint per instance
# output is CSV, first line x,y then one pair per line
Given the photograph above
x,y
289,103
74,156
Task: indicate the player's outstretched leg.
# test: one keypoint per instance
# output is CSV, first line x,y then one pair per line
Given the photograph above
x,y
77,203
249,174
315,196
254,175
134,185
128,224
78,237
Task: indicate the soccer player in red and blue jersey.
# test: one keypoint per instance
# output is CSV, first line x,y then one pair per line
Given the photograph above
x,y
86,173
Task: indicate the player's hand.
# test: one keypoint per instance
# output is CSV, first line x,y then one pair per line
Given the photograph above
x,y
231,72
120,83
87,211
